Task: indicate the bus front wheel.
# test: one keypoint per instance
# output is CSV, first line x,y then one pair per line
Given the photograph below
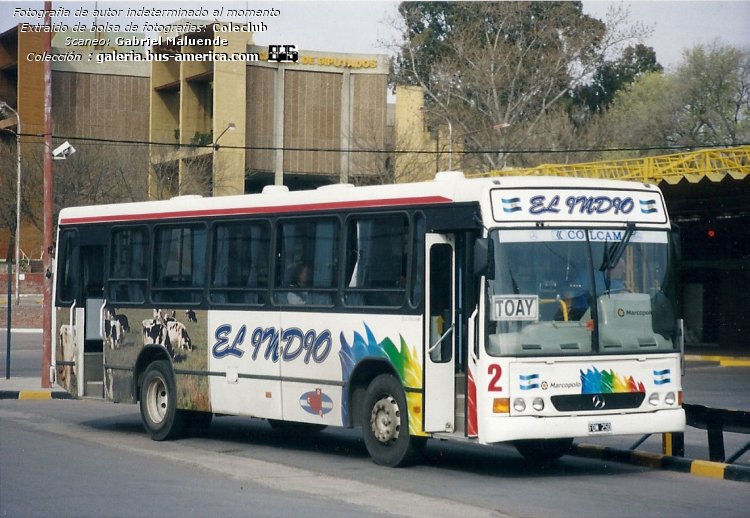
x,y
385,424
159,403
543,450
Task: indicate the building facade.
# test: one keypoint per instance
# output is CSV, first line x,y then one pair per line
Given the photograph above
x,y
90,100
236,126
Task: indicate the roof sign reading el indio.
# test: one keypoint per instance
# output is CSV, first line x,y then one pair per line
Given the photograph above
x,y
584,205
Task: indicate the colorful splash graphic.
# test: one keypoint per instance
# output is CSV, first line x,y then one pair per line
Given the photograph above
x,y
405,361
607,382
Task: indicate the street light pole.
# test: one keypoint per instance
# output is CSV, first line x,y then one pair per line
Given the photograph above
x,y
4,105
450,135
230,127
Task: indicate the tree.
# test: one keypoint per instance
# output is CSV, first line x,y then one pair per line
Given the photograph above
x,y
483,64
612,77
704,102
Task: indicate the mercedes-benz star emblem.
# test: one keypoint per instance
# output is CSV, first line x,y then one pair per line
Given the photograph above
x,y
598,402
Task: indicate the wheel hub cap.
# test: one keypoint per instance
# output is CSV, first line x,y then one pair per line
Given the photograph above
x,y
158,400
385,420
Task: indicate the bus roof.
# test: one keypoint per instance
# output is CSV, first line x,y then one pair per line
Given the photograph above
x,y
447,187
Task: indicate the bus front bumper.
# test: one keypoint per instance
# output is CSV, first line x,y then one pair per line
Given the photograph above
x,y
507,428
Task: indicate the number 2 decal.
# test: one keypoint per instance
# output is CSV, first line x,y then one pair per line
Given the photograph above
x,y
495,371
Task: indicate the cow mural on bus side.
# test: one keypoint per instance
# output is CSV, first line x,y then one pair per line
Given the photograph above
x,y
182,333
66,352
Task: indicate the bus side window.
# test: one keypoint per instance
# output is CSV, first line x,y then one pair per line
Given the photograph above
x,y
377,261
417,261
69,267
240,263
92,270
179,264
314,243
128,269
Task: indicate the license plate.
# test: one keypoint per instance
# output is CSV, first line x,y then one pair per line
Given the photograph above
x,y
599,428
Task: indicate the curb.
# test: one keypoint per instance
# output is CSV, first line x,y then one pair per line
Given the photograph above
x,y
35,394
724,361
702,468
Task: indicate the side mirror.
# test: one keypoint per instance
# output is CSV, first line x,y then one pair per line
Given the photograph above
x,y
484,257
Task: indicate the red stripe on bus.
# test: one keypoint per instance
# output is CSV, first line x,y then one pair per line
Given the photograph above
x,y
240,211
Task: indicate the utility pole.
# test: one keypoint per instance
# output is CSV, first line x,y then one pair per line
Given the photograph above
x,y
5,106
47,302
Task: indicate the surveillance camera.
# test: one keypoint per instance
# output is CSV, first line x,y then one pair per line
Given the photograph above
x,y
63,151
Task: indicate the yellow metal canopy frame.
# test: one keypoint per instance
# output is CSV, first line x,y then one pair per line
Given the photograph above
x,y
714,164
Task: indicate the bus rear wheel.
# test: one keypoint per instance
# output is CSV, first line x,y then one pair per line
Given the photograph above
x,y
543,450
385,424
159,411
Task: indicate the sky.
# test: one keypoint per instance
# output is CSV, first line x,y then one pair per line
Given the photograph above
x,y
361,26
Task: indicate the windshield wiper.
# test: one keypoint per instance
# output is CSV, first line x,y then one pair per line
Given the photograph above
x,y
613,254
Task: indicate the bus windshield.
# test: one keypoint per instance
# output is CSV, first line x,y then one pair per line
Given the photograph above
x,y
580,291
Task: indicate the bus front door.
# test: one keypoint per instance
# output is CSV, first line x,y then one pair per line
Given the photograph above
x,y
439,346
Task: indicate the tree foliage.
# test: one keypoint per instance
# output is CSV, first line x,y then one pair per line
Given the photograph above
x,y
612,77
705,101
489,63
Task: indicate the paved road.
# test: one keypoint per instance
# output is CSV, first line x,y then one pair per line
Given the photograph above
x,y
86,458
25,354
705,383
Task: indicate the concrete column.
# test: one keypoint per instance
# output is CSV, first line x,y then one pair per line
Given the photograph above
x,y
230,106
346,124
278,126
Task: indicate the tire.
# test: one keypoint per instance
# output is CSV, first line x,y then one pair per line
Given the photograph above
x,y
159,411
543,450
296,428
385,424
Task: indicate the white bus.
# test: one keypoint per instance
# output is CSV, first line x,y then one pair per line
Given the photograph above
x,y
522,310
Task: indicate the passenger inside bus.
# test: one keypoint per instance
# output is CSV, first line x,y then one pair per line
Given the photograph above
x,y
616,279
300,278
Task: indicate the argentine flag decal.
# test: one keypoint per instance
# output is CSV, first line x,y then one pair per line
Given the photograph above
x,y
529,382
511,205
648,206
316,402
662,377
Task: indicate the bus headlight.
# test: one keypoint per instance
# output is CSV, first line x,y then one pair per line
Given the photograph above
x,y
519,405
653,399
538,404
670,398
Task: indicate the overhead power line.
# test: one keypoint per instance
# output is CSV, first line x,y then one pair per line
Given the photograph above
x,y
388,151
